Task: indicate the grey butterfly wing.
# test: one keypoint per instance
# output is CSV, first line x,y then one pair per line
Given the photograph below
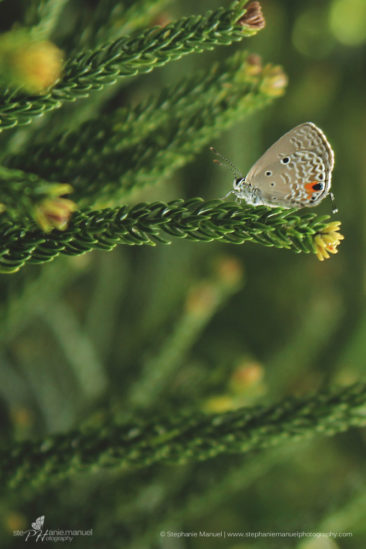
x,y
303,183
296,170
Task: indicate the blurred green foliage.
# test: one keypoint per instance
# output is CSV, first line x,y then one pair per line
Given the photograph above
x,y
80,337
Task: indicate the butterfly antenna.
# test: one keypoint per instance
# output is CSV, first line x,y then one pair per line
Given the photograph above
x,y
334,207
225,163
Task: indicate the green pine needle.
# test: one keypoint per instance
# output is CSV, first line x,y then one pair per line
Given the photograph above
x,y
148,224
195,437
141,53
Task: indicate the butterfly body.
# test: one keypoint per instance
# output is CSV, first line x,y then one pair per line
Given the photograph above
x,y
295,172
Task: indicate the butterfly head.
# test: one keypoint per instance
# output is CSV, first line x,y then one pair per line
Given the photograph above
x,y
244,190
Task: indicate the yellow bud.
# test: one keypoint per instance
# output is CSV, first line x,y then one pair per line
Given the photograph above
x,y
220,403
29,64
14,521
328,240
54,213
229,270
274,81
246,375
253,65
201,299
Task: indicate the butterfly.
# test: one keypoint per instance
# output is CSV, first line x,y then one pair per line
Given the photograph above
x,y
295,172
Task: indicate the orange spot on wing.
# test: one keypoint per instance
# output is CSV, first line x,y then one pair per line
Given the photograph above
x,y
309,188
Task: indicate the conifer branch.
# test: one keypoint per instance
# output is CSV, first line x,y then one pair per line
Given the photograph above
x,y
22,193
106,159
127,126
148,224
138,54
181,439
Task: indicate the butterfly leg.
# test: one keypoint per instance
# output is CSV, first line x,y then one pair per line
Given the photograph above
x,y
227,194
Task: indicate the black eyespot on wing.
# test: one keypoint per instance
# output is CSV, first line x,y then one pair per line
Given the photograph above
x,y
268,173
317,186
285,160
